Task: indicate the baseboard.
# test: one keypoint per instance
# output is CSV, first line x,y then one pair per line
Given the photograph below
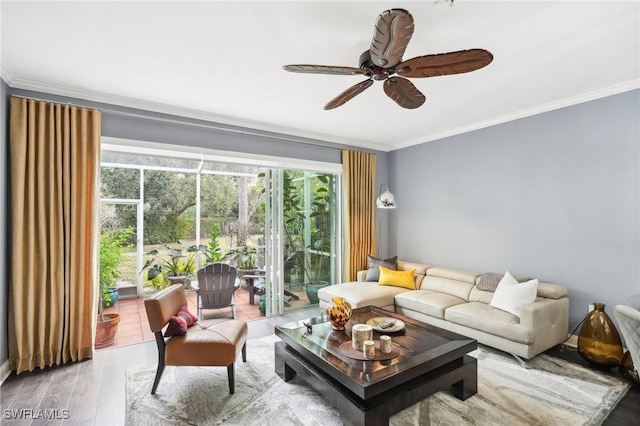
x,y
5,370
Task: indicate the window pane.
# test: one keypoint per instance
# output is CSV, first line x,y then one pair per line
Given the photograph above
x,y
169,198
119,183
148,160
118,265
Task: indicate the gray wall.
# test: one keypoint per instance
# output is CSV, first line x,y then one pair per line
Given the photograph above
x,y
115,124
553,196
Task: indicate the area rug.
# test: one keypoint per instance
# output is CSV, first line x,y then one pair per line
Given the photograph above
x,y
550,391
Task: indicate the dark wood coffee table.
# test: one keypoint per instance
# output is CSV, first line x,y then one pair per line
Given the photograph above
x,y
369,392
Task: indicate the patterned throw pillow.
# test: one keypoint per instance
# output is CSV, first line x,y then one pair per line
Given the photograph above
x,y
177,327
373,273
489,281
189,318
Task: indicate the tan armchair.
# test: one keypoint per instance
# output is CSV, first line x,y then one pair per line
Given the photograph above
x,y
206,343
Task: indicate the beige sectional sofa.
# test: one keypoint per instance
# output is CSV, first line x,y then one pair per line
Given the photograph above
x,y
449,299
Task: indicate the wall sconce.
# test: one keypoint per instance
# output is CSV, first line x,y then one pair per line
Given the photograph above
x,y
385,200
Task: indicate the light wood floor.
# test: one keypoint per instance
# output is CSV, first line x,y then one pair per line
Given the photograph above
x,y
93,391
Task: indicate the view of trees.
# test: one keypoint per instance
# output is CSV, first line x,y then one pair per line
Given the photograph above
x,y
232,202
231,217
307,214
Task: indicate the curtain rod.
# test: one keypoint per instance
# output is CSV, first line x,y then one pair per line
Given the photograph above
x,y
242,132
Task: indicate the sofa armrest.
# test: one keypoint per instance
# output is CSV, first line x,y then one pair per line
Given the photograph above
x,y
361,275
550,320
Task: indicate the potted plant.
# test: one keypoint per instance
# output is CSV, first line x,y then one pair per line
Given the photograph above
x,y
312,258
244,258
112,246
177,266
213,252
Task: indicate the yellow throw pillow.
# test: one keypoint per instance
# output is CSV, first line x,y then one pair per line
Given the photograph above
x,y
397,278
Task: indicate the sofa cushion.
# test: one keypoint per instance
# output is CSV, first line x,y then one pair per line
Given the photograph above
x,y
552,291
428,302
452,274
360,294
421,268
450,281
373,273
480,295
511,295
486,318
402,279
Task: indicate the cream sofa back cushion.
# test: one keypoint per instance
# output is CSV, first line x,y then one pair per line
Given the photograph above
x,y
449,281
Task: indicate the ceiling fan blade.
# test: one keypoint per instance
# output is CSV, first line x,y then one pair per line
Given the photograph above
x,y
445,63
403,92
325,69
348,94
392,33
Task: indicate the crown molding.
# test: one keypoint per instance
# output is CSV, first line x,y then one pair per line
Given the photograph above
x,y
6,75
563,103
157,107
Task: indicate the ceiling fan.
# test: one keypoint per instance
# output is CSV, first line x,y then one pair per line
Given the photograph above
x,y
392,33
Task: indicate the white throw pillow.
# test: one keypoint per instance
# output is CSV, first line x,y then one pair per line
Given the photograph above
x,y
510,295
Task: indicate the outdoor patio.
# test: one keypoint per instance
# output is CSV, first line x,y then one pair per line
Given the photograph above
x,y
134,326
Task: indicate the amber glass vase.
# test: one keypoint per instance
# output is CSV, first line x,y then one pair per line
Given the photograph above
x,y
339,312
599,341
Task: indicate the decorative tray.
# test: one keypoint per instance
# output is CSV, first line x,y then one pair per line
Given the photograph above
x,y
386,324
346,349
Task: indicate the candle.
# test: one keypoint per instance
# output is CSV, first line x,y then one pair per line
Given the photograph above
x,y
369,349
360,333
385,344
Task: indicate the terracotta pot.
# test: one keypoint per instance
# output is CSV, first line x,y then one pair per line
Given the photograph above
x,y
106,330
182,279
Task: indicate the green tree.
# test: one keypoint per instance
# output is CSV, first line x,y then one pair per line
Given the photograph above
x,y
166,196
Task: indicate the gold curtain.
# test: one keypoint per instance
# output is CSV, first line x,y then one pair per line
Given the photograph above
x,y
359,177
55,165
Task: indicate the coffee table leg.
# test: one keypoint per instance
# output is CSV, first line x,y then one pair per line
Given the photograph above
x,y
285,372
468,386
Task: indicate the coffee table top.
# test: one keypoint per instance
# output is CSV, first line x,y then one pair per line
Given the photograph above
x,y
423,348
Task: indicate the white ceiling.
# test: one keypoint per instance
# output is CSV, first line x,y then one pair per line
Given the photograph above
x,y
223,61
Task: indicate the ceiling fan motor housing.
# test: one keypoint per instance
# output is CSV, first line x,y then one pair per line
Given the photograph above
x,y
374,71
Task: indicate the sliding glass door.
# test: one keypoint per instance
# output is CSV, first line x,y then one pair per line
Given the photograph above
x,y
303,234
254,214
